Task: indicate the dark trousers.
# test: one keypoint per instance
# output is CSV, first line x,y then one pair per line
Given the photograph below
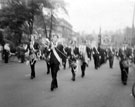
x,y
83,67
89,56
6,58
69,63
48,67
73,74
96,61
124,73
102,60
54,70
111,62
22,58
32,70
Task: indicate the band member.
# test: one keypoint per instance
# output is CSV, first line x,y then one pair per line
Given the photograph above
x,y
111,57
1,49
105,55
22,53
124,66
68,53
100,54
63,52
46,52
89,51
102,59
65,58
73,59
73,66
32,64
133,55
96,57
83,58
55,62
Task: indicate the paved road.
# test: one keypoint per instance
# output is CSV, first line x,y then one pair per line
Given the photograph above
x,y
100,88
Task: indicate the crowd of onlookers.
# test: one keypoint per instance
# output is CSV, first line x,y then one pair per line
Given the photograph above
x,y
6,52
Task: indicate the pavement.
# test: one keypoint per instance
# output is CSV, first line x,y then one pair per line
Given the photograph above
x,y
99,88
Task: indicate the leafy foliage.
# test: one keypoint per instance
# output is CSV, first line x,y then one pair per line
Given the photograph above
x,y
15,15
18,17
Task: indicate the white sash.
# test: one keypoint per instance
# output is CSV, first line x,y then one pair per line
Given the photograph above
x,y
57,56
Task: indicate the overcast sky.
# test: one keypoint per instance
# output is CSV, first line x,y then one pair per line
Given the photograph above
x,y
89,15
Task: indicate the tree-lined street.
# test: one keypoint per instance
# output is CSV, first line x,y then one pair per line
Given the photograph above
x,y
99,88
38,36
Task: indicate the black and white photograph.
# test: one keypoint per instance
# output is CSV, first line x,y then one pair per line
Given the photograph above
x,y
67,53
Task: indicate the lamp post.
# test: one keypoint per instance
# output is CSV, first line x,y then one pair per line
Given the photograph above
x,y
50,33
45,29
133,38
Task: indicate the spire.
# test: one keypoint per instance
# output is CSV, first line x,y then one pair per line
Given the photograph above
x,y
100,30
99,37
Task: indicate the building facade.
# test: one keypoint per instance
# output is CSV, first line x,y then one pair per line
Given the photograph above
x,y
63,28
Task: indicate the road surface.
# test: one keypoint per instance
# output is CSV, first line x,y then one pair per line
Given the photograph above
x,y
99,88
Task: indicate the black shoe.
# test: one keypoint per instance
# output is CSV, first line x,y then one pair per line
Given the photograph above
x,y
55,86
73,79
82,76
52,89
48,73
31,77
111,67
124,83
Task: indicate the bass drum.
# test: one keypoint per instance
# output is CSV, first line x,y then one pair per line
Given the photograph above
x,y
73,64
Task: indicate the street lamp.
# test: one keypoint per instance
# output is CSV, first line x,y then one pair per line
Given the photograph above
x,y
132,40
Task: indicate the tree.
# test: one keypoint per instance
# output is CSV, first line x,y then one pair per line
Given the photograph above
x,y
49,20
19,17
53,6
1,38
15,16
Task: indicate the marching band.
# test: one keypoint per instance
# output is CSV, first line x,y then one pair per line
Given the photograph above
x,y
56,55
